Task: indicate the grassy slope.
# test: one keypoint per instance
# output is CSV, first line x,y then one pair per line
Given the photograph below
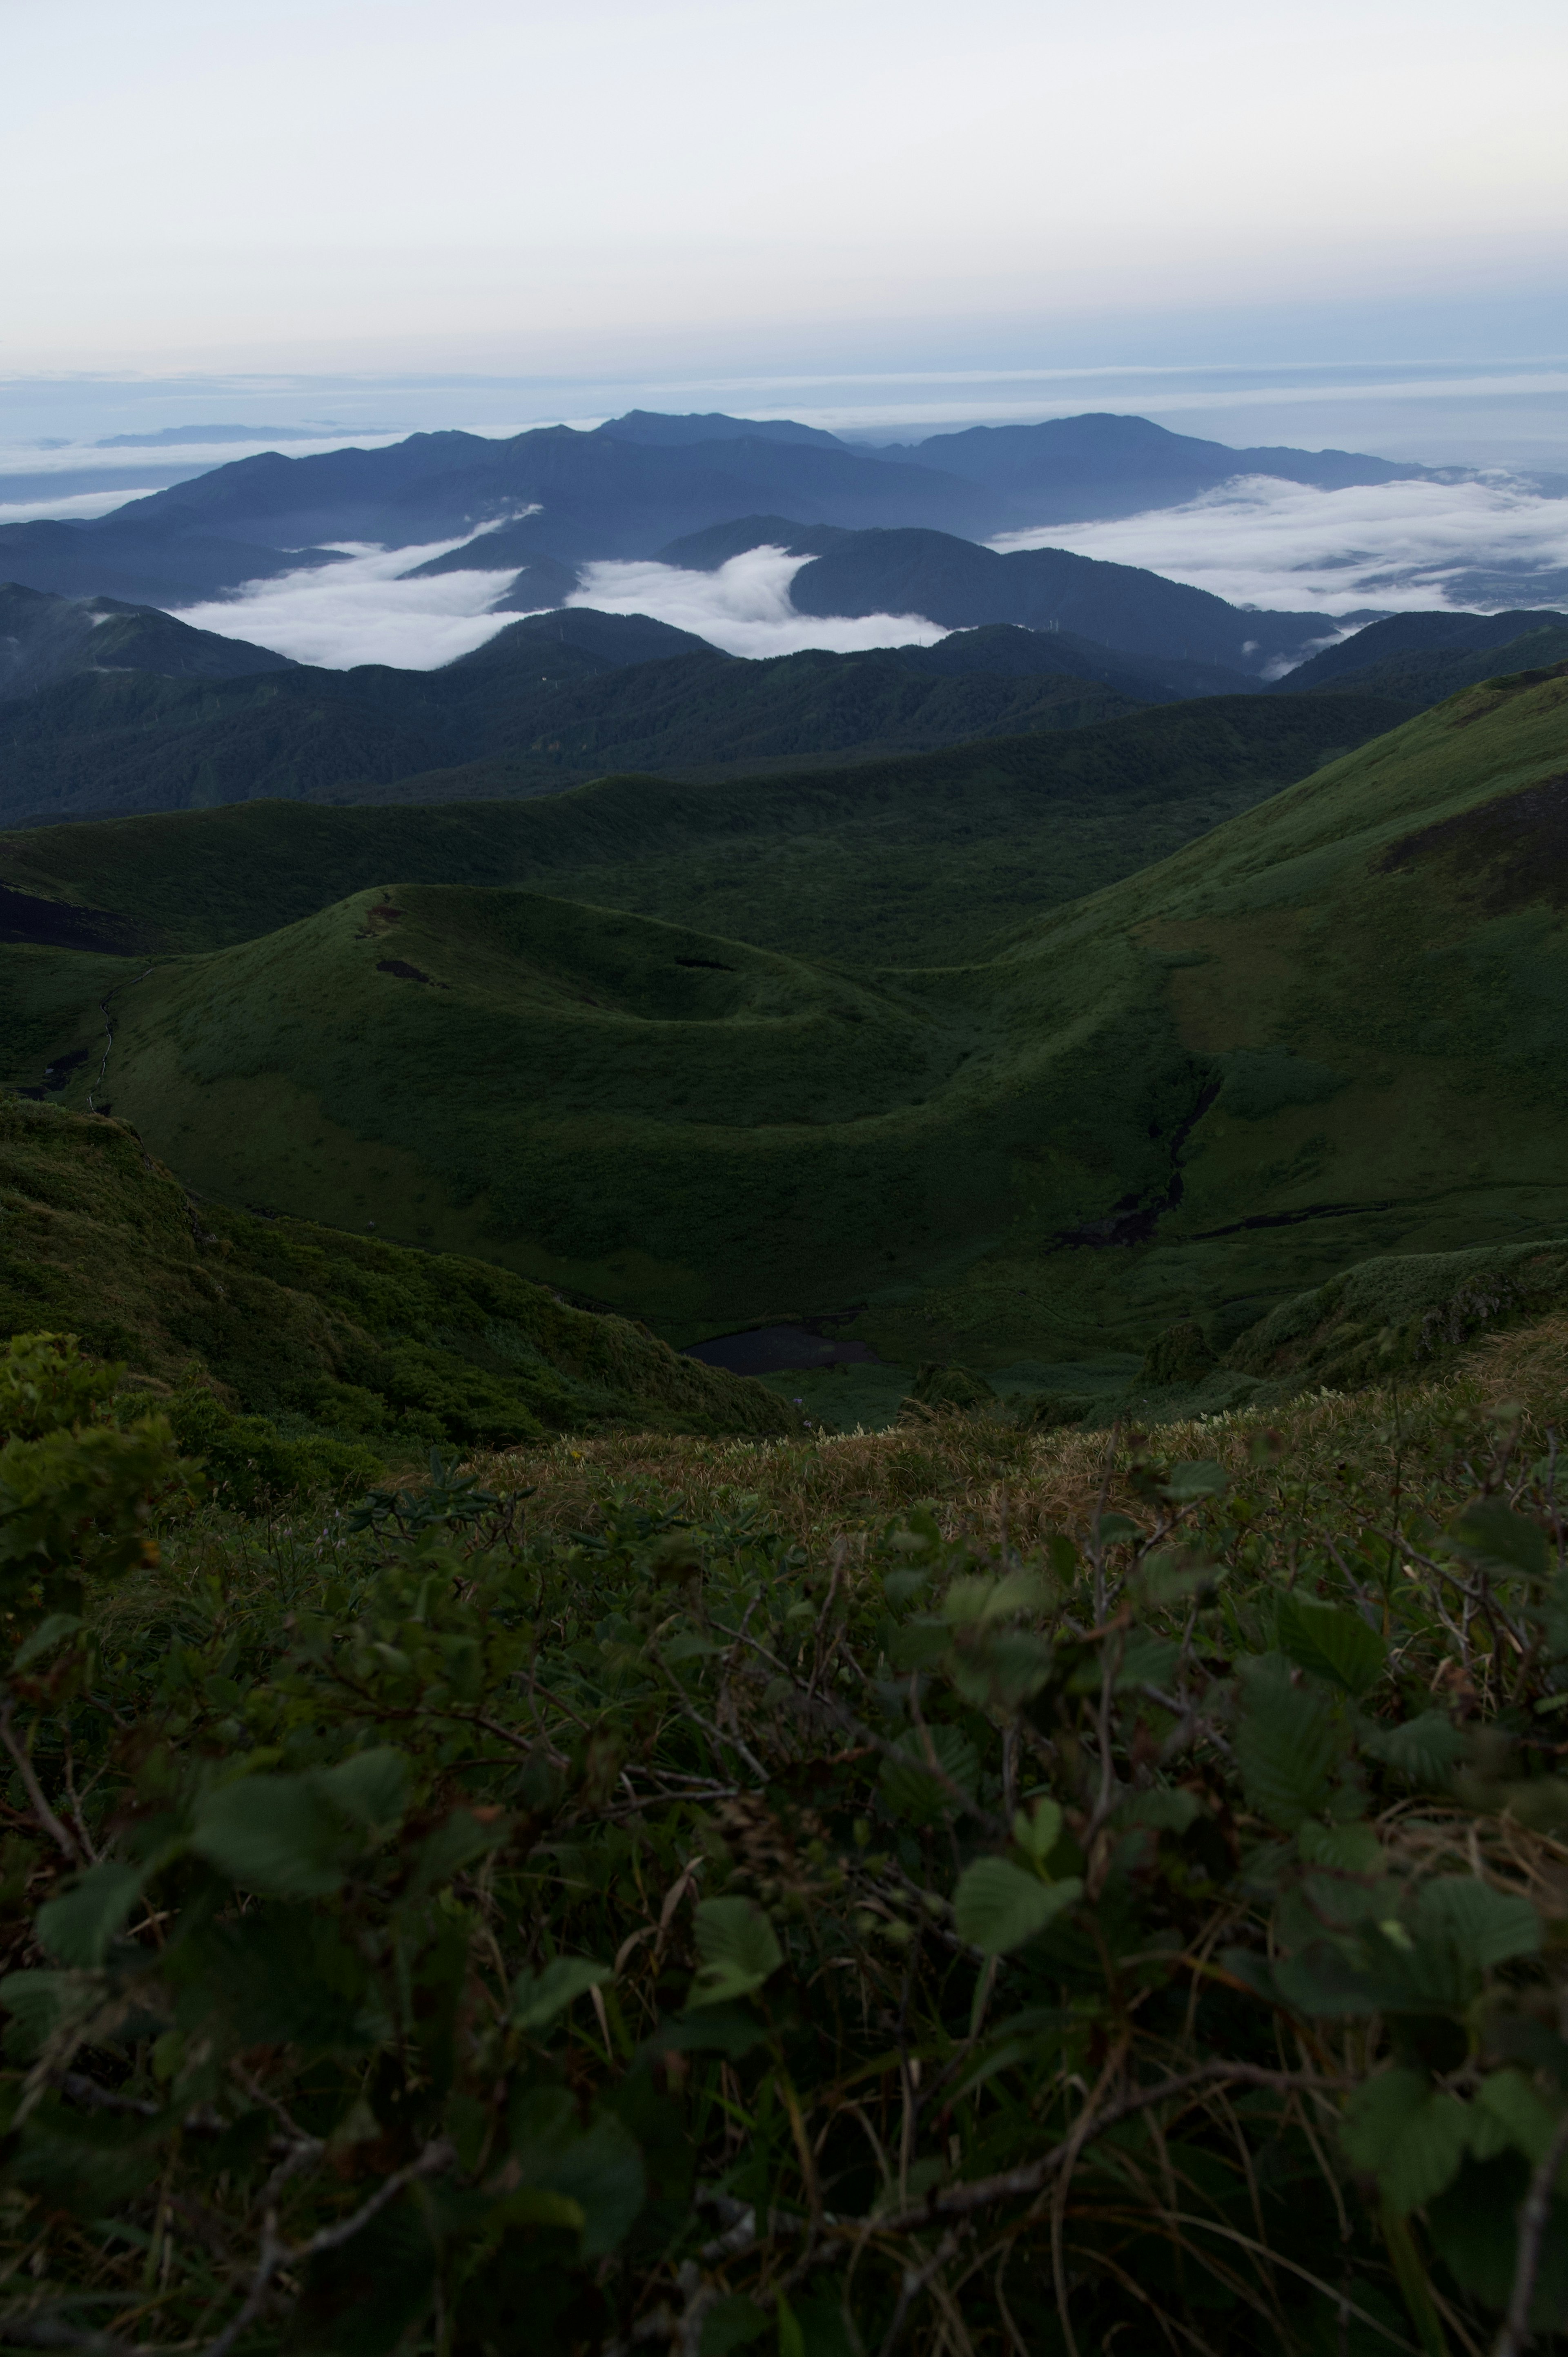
x,y
895,860
1334,1029
296,1321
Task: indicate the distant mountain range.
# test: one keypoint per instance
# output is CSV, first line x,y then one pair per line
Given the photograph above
x,y
625,489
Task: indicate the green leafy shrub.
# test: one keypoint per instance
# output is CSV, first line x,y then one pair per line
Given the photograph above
x,y
250,1464
680,1935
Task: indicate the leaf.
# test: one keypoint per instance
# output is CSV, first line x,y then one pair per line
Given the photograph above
x,y
538,1997
598,2167
1412,2137
1481,1927
39,2004
1425,1750
730,2323
985,1600
292,1837
1523,2118
78,1927
739,1950
997,1907
1288,1746
274,1835
791,2339
1038,1829
370,1787
907,1784
1331,1644
1146,1660
1202,1478
1492,1533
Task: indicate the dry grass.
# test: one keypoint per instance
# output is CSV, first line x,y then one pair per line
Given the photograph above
x,y
983,1478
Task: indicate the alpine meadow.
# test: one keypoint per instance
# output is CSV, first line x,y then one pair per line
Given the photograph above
x,y
783,1197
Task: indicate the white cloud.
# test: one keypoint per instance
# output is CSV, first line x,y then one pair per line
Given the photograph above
x,y
79,507
361,611
1259,542
743,607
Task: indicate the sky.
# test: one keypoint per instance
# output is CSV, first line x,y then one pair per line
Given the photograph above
x,y
671,188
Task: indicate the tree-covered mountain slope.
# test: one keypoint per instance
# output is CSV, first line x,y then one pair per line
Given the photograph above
x,y
552,699
1421,659
873,862
44,638
314,1328
1331,1028
1126,606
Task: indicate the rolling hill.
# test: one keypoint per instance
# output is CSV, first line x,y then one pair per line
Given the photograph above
x,y
45,639
1331,1030
871,862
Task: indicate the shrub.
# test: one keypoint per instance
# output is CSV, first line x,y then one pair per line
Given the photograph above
x,y
683,1935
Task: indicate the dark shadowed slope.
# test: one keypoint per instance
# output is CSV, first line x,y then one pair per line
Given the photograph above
x,y
1121,606
44,638
880,860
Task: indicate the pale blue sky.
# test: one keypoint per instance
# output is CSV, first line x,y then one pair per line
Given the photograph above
x,y
666,187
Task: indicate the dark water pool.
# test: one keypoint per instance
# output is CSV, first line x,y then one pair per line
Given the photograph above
x,y
771,1349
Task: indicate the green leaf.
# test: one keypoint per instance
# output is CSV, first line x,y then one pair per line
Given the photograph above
x,y
1480,1926
1506,2101
986,1601
997,1907
370,1787
538,1997
78,1927
1425,1750
1331,1644
293,1836
739,1950
1202,1478
1403,2131
1289,1745
907,1784
1146,1660
1037,1830
598,2167
730,2323
791,2339
1492,1533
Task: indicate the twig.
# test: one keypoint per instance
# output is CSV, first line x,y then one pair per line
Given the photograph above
x,y
1516,2333
35,1790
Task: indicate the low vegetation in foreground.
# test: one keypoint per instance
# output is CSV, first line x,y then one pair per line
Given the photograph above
x,y
956,1889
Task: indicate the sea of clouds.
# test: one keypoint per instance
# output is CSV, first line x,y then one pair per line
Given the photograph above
x,y
1486,544
364,609
1259,542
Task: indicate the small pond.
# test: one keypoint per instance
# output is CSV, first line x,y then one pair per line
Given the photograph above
x,y
772,1349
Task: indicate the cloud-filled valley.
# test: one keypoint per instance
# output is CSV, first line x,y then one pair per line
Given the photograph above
x,y
1255,542
1260,542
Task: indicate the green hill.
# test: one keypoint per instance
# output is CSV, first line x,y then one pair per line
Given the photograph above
x,y
319,1331
1333,1029
895,860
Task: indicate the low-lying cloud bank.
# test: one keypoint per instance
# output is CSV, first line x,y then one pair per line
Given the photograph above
x,y
1260,542
361,611
743,607
365,609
